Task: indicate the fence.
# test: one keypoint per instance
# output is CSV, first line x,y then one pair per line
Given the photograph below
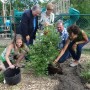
x,y
83,22
6,27
8,24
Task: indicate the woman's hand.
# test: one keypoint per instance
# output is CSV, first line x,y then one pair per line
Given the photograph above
x,y
12,66
74,46
55,61
54,64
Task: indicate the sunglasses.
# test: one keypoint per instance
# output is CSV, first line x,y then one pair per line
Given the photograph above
x,y
49,9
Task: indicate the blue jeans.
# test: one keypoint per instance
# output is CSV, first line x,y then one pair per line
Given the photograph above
x,y
70,52
61,44
65,56
76,54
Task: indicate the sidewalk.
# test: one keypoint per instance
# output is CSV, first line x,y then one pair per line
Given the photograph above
x,y
5,41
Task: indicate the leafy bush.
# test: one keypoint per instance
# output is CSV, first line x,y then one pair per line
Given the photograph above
x,y
86,76
1,77
44,51
85,73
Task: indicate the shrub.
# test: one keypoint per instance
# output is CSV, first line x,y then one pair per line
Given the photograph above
x,y
1,77
85,73
44,51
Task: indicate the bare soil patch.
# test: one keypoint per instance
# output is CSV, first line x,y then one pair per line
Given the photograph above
x,y
70,79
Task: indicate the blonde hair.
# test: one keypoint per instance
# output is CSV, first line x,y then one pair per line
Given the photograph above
x,y
18,36
50,6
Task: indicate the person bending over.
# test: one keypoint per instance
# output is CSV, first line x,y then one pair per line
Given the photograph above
x,y
76,40
14,52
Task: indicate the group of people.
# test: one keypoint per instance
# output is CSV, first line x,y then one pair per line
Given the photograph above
x,y
72,41
24,36
29,22
72,38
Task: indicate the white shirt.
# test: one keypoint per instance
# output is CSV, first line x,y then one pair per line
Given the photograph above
x,y
47,19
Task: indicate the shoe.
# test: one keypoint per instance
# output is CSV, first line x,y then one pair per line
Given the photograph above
x,y
4,81
87,85
74,64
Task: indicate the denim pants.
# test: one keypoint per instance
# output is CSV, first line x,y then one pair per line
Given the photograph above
x,y
70,52
65,56
76,54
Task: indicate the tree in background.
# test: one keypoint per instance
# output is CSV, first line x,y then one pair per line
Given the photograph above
x,y
81,5
0,8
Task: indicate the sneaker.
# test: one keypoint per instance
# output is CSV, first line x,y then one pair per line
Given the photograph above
x,y
74,64
4,81
87,85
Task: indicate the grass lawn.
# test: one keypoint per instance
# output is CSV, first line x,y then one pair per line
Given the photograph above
x,y
86,51
1,49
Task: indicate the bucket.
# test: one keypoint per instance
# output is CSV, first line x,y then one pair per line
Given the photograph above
x,y
12,76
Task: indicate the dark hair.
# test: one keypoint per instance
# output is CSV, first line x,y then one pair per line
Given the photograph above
x,y
73,29
35,7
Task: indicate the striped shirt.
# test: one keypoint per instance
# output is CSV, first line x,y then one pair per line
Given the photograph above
x,y
63,37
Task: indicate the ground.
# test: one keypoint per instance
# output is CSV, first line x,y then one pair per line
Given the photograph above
x,y
70,79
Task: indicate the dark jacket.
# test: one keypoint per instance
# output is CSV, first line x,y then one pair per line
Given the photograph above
x,y
26,25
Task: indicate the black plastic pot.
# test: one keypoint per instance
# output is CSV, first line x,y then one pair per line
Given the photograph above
x,y
12,76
